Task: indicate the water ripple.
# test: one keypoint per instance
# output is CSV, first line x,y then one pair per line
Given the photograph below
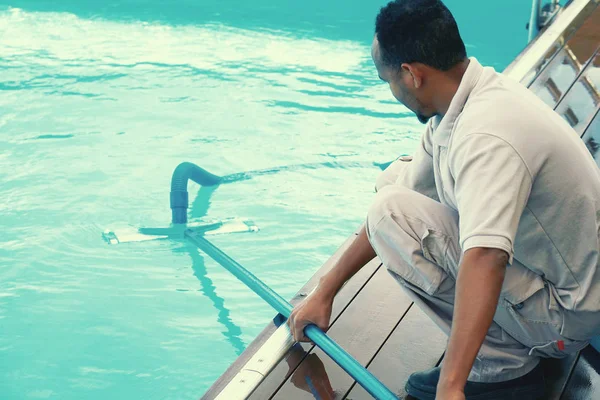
x,y
344,110
67,136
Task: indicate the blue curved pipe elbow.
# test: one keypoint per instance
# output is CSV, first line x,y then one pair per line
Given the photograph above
x,y
179,194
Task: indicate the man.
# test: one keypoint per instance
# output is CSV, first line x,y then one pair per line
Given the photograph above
x,y
492,227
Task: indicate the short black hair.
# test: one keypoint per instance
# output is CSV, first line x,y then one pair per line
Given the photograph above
x,y
421,31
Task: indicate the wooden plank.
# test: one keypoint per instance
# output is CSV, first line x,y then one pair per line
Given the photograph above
x,y
361,330
286,367
584,383
233,369
586,40
416,344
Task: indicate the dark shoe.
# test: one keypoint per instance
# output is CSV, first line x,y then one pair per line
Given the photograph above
x,y
531,386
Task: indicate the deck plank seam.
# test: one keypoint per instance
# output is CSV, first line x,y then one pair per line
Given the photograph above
x,y
380,347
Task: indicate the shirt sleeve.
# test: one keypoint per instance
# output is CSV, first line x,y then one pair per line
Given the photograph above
x,y
492,187
418,174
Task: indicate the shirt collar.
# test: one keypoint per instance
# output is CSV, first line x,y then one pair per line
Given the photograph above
x,y
443,126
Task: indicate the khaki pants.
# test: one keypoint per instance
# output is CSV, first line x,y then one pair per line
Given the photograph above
x,y
416,238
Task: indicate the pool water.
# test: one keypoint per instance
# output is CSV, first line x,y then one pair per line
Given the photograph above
x,y
100,101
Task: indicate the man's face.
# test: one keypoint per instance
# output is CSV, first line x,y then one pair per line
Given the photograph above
x,y
401,84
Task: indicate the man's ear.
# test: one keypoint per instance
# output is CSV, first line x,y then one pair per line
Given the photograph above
x,y
413,75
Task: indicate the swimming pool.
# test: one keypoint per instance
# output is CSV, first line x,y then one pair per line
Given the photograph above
x,y
98,105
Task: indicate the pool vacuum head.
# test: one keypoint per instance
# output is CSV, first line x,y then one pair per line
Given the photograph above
x,y
127,234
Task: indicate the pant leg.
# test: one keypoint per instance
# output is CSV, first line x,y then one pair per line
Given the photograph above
x,y
416,238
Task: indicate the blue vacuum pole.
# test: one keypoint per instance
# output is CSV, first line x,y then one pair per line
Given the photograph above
x,y
332,349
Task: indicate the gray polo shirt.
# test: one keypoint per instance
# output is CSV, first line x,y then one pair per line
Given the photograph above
x,y
522,181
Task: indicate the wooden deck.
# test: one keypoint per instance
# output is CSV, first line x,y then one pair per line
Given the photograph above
x,y
374,320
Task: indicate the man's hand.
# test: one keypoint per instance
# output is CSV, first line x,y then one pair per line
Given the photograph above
x,y
449,394
315,309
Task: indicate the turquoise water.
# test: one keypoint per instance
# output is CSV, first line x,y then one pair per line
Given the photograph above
x,y
99,101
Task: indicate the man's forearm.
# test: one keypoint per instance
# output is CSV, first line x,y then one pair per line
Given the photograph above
x,y
478,286
356,256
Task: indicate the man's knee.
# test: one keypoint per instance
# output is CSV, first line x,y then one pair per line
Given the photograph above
x,y
390,175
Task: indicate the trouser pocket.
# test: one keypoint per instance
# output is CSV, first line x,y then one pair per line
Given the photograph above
x,y
532,321
414,236
537,325
423,264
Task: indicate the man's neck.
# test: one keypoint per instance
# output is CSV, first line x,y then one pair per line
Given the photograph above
x,y
446,86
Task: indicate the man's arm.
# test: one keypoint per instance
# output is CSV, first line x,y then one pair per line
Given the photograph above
x,y
492,187
358,254
478,286
316,308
